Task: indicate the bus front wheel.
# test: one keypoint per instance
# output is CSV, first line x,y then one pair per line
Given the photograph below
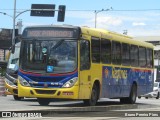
x,y
94,96
43,101
17,98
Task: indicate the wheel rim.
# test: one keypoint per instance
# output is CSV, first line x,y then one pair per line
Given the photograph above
x,y
93,99
134,95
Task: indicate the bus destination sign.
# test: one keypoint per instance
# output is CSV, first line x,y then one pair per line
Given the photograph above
x,y
50,33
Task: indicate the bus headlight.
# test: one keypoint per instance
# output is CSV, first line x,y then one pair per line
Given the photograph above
x,y
23,82
70,83
9,82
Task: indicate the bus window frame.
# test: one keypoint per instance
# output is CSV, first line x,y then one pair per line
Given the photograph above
x,y
96,59
83,64
124,45
116,61
104,53
140,56
151,61
136,62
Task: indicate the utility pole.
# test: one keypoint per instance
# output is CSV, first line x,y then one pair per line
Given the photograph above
x,y
14,20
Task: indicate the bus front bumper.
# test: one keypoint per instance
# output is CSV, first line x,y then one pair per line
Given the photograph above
x,y
62,93
11,89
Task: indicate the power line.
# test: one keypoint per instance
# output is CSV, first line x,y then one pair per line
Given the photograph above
x,y
120,10
91,10
138,10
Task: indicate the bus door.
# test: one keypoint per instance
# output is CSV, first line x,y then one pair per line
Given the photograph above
x,y
84,74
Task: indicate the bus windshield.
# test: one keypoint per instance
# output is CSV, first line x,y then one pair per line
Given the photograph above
x,y
49,56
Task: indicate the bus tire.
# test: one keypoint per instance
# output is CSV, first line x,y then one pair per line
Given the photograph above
x,y
132,97
133,94
17,98
157,96
94,96
139,97
123,100
43,101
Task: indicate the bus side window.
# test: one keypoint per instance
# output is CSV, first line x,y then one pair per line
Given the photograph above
x,y
126,54
134,55
106,51
116,53
149,58
84,55
95,46
142,57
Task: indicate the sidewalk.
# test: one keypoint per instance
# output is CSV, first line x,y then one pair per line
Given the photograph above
x,y
2,86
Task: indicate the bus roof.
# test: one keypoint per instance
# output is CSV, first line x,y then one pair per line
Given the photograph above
x,y
106,34
101,33
41,26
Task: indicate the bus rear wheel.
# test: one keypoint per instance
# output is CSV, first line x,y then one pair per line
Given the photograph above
x,y
132,97
43,101
94,97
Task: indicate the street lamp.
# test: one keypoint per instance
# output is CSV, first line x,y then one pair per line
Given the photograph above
x,y
14,20
98,11
6,14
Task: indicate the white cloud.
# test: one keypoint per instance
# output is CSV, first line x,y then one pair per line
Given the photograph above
x,y
138,24
111,21
104,22
80,14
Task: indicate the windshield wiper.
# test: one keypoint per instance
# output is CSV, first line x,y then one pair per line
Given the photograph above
x,y
58,44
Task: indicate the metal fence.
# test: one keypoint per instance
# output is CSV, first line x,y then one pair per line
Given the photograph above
x,y
2,83
2,86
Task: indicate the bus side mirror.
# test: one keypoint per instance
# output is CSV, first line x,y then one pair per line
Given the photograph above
x,y
16,40
13,49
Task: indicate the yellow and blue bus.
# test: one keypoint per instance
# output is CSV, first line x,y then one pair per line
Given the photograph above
x,y
82,63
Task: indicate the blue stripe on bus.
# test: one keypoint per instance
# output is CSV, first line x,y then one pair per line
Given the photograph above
x,y
117,81
51,81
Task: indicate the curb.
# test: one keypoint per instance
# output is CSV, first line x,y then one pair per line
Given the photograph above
x,y
79,111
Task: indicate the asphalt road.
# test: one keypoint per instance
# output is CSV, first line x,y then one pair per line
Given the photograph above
x,y
106,109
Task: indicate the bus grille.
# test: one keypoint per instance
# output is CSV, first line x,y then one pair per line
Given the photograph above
x,y
45,91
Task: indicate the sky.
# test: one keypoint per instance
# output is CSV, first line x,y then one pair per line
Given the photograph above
x,y
138,17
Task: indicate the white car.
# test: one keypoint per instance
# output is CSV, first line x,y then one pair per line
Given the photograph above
x,y
155,93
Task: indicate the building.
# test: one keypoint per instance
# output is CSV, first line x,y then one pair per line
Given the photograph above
x,y
5,44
